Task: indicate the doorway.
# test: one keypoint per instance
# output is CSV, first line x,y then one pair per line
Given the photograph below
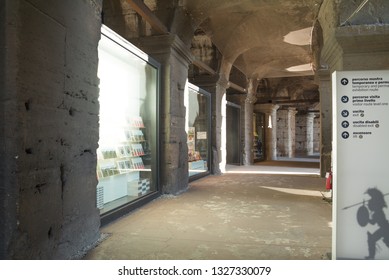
x,y
234,153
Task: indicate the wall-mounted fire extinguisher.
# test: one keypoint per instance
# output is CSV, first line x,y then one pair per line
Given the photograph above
x,y
329,180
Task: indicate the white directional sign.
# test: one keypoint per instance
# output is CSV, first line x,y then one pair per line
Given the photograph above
x,y
361,165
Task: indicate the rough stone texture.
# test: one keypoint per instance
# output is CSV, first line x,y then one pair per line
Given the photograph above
x,y
286,132
247,131
49,94
316,134
221,115
282,133
270,112
360,44
304,134
51,129
373,12
247,105
216,85
325,122
8,193
119,16
252,34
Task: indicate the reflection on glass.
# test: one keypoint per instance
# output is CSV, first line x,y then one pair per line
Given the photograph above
x,y
197,129
127,163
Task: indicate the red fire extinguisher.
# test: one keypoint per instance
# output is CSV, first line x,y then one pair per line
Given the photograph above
x,y
329,180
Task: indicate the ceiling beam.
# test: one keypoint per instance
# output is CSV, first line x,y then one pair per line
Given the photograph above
x,y
237,87
203,66
148,16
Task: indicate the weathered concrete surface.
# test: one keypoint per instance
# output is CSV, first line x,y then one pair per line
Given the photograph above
x,y
232,216
50,128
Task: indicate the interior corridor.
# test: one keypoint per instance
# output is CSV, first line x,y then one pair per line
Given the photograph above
x,y
247,213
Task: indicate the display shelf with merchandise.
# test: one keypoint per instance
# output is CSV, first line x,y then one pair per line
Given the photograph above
x,y
119,167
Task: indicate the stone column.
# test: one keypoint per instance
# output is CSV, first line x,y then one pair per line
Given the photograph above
x,y
310,131
247,129
286,132
247,106
270,111
219,150
282,133
291,132
175,58
316,134
325,121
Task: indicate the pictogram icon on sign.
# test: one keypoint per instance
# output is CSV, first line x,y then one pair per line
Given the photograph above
x,y
345,124
345,113
345,135
344,99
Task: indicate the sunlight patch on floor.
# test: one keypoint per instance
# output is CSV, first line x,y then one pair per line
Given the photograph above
x,y
295,191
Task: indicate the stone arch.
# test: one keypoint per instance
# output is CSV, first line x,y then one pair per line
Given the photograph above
x,y
316,46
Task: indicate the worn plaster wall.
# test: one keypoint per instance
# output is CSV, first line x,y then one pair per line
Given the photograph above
x,y
50,128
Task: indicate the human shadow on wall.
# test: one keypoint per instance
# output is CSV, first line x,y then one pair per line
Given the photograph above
x,y
373,214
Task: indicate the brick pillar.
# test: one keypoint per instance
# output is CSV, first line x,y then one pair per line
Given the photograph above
x,y
270,111
175,58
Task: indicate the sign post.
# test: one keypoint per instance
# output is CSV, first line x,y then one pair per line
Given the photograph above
x,y
360,165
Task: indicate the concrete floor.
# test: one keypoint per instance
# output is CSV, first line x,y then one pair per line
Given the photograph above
x,y
246,213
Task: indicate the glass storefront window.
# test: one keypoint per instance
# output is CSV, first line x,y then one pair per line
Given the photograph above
x,y
198,123
127,157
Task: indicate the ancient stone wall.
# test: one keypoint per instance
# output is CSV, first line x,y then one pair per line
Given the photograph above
x,y
282,133
301,134
358,12
286,132
316,135
50,131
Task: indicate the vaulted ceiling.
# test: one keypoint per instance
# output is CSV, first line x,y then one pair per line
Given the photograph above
x,y
262,38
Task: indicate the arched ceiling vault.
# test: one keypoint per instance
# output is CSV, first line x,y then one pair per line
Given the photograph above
x,y
262,38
